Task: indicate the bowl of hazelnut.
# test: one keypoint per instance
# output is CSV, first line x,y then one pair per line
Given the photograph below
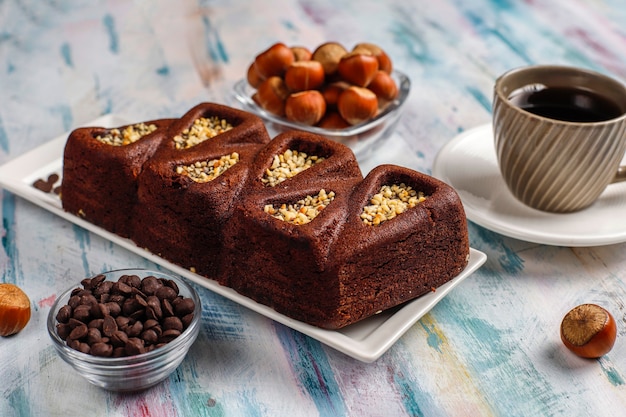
x,y
352,96
125,330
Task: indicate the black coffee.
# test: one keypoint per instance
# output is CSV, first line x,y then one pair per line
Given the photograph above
x,y
568,104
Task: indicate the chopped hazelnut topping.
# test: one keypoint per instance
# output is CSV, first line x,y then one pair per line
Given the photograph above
x,y
389,202
304,210
129,134
287,165
203,128
205,171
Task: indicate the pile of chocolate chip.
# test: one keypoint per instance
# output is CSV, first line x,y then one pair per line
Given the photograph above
x,y
122,318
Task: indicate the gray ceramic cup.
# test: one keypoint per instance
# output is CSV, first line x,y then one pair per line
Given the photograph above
x,y
552,164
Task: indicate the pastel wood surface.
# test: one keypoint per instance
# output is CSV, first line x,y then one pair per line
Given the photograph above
x,y
491,348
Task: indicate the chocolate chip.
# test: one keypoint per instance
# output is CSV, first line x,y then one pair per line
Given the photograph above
x,y
74,323
150,314
93,335
82,347
119,352
141,300
82,313
150,285
119,338
64,314
126,317
96,323
97,280
102,349
117,298
132,280
154,305
114,309
135,346
135,330
96,312
174,323
63,330
122,322
109,326
78,332
138,315
74,301
47,185
168,309
169,335
103,288
42,185
187,320
166,293
86,283
184,307
150,323
129,306
172,284
121,288
150,336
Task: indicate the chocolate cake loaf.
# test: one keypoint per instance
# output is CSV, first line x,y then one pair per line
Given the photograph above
x,y
100,169
342,267
188,189
290,222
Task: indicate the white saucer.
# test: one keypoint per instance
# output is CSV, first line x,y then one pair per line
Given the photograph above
x,y
469,164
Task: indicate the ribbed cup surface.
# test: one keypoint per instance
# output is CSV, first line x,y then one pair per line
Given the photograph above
x,y
549,164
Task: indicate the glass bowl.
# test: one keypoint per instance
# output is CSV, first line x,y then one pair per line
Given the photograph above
x,y
129,373
363,138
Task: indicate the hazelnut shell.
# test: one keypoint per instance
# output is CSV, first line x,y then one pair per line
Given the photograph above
x,y
15,309
357,104
358,68
589,331
329,54
306,107
304,75
384,86
271,95
384,62
274,61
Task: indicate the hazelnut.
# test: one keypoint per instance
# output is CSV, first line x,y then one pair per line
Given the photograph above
x,y
306,107
384,86
301,53
357,104
271,95
384,62
333,120
589,331
274,61
329,54
14,309
358,68
331,70
331,92
304,75
253,76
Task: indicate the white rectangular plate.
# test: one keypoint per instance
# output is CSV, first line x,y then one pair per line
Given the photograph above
x,y
366,340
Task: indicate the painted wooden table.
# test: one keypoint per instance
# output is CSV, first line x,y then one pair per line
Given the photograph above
x,y
490,348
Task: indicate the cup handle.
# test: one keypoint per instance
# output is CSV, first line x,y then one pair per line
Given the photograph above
x,y
621,174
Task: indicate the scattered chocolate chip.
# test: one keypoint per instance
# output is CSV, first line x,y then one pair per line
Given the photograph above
x,y
47,185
